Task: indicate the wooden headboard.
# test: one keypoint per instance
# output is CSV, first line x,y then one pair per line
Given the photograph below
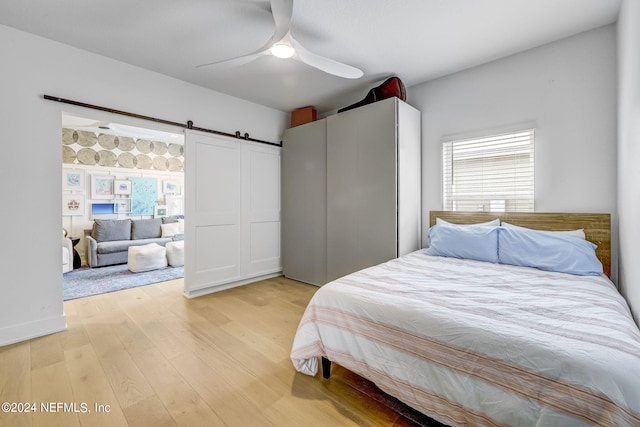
x,y
597,227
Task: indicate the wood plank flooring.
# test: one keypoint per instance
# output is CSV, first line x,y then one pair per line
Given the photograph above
x,y
148,356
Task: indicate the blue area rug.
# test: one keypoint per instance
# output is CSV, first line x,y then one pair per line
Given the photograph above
x,y
87,281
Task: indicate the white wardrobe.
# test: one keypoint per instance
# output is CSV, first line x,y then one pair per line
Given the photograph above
x,y
351,190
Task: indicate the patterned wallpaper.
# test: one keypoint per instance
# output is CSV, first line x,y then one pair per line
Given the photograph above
x,y
81,147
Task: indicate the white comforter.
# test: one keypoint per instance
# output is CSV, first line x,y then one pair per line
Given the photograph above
x,y
474,343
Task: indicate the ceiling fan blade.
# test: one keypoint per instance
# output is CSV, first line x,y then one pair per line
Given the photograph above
x,y
325,64
238,60
282,11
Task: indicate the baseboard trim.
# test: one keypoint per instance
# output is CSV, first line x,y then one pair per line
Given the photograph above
x,y
29,330
194,293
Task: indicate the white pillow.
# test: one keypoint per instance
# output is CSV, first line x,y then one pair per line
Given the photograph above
x,y
180,225
579,233
170,230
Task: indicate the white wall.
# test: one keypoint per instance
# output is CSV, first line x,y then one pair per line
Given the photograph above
x,y
31,284
629,152
567,88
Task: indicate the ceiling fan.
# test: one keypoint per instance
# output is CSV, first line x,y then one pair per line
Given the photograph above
x,y
283,45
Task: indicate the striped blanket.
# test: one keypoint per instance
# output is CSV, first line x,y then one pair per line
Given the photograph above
x,y
474,343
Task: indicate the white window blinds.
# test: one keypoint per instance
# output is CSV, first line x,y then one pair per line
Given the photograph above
x,y
491,173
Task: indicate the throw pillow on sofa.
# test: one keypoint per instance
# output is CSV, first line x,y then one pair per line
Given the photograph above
x,y
145,228
108,230
171,218
170,229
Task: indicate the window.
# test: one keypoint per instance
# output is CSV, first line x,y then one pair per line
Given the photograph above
x,y
491,173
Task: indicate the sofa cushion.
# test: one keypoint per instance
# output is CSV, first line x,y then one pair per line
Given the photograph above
x,y
145,228
107,230
124,245
171,218
115,246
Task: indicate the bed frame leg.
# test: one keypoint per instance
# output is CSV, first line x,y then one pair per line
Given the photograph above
x,y
326,368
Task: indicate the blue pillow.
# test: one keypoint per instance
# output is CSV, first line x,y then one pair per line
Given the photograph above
x,y
496,222
459,241
546,251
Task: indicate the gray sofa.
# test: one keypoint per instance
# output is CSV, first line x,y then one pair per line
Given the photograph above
x,y
109,240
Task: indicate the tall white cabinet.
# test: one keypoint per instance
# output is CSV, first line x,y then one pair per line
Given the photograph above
x,y
351,191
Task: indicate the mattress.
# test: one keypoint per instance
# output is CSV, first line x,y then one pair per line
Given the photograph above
x,y
475,343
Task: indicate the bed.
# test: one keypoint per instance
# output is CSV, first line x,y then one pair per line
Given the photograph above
x,y
476,342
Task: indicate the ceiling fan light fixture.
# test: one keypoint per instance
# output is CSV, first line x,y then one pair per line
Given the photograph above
x,y
282,44
281,50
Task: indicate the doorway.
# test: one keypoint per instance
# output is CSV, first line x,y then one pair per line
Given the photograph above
x,y
120,173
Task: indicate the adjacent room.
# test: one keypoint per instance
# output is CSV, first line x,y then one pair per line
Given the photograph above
x,y
113,175
416,213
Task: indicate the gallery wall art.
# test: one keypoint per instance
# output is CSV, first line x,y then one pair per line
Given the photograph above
x,y
122,205
73,204
102,186
144,196
122,187
73,180
172,187
160,211
175,204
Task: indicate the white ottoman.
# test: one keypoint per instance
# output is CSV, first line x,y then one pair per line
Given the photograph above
x,y
175,253
146,257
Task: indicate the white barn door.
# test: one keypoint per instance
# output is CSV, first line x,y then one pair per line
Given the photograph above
x,y
212,211
261,209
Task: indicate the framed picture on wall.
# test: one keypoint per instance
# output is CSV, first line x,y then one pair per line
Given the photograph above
x,y
73,180
122,205
160,210
175,204
102,187
122,187
72,204
144,196
103,211
172,187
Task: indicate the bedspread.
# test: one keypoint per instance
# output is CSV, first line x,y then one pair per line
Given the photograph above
x,y
475,343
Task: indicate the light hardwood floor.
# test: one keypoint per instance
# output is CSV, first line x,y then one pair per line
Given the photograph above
x,y
151,357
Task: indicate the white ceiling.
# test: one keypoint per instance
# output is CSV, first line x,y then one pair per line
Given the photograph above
x,y
417,40
112,128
